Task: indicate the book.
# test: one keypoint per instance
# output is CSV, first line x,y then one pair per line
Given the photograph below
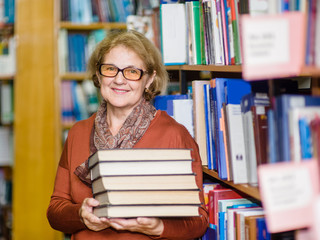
x,y
219,99
144,182
239,218
208,125
235,89
183,113
199,118
6,103
144,167
251,227
139,154
219,193
127,211
293,117
283,104
164,102
193,31
260,130
173,33
138,197
247,101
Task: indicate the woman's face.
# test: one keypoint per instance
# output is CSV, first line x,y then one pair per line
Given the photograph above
x,y
119,92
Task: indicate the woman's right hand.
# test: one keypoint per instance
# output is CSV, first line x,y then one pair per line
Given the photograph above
x,y
92,222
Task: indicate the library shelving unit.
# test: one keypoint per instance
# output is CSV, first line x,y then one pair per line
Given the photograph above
x,y
6,167
78,27
37,122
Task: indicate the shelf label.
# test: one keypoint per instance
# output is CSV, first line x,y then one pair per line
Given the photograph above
x,y
272,45
288,191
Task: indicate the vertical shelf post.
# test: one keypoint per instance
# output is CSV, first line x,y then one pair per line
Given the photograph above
x,y
37,132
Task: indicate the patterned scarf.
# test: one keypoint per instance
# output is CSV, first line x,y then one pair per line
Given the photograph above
x,y
129,134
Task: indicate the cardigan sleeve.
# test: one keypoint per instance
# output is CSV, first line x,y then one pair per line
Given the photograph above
x,y
63,213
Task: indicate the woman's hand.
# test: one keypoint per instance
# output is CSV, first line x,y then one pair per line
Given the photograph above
x,y
92,222
148,226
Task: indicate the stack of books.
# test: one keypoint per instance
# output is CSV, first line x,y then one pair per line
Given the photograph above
x,y
144,182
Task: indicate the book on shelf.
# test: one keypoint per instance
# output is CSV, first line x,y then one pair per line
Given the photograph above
x,y
235,89
183,113
225,223
283,104
219,99
250,227
208,114
173,33
193,31
199,118
295,114
260,130
127,211
219,193
6,146
7,55
235,219
6,103
144,182
133,197
247,101
162,102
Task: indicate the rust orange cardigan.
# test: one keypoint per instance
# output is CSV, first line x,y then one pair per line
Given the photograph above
x,y
69,191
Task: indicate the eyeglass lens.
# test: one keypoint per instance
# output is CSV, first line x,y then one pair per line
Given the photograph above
x,y
129,73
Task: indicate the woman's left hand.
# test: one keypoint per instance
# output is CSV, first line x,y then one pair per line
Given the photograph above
x,y
148,226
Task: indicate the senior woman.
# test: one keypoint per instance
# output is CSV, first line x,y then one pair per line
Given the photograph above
x,y
127,69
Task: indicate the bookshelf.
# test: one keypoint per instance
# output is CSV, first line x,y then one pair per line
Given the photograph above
x,y
7,78
37,125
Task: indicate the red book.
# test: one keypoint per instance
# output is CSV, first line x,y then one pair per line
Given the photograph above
x,y
216,194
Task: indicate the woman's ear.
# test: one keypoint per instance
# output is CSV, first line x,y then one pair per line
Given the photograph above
x,y
151,79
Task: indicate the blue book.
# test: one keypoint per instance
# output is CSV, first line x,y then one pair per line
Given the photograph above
x,y
283,104
272,147
211,233
219,99
262,231
162,102
235,89
305,139
9,11
212,112
208,123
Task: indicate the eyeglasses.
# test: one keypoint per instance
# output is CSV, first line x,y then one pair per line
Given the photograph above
x,y
129,73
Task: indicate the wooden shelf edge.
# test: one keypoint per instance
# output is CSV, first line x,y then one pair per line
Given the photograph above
x,y
92,26
74,76
6,77
244,188
211,68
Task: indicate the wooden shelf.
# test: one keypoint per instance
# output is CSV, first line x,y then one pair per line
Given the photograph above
x,y
311,71
212,68
74,76
244,188
92,26
6,77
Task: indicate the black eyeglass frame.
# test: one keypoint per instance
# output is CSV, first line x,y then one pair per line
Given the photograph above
x,y
121,70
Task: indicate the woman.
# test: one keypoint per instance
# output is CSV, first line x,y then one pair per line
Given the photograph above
x,y
128,70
